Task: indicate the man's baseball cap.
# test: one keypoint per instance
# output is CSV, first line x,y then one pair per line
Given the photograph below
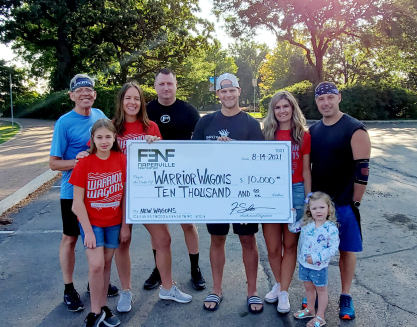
x,y
229,77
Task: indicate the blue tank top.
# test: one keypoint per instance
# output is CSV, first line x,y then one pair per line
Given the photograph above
x,y
333,166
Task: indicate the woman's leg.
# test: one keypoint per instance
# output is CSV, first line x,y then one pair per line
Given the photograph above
x,y
273,240
96,277
289,258
191,237
123,264
162,242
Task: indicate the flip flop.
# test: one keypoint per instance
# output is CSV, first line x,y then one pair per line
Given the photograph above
x,y
255,300
319,323
303,314
215,299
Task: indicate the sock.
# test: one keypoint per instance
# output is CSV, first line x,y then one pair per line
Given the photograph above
x,y
346,294
194,261
68,288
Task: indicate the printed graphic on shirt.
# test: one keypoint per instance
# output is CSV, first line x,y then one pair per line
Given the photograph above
x,y
132,136
222,132
165,119
104,186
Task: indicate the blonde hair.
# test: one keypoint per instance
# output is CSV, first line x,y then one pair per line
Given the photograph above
x,y
298,121
107,124
307,217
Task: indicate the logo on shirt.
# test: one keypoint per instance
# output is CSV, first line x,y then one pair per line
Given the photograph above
x,y
224,132
106,188
165,119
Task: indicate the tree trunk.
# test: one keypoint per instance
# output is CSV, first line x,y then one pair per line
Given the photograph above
x,y
65,65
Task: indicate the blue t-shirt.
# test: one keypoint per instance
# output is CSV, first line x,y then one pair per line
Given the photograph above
x,y
71,134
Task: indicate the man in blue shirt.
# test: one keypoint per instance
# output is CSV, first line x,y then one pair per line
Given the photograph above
x,y
71,135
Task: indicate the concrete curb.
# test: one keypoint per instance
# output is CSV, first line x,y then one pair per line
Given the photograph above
x,y
16,135
26,190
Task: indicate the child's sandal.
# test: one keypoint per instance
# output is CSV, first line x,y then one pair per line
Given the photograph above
x,y
303,314
318,323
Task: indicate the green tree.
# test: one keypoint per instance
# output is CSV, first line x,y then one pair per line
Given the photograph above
x,y
248,56
119,39
314,25
284,66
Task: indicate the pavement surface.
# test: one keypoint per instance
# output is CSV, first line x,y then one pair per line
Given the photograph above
x,y
384,288
26,156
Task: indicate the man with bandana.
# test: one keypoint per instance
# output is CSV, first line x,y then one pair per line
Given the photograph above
x,y
340,152
71,134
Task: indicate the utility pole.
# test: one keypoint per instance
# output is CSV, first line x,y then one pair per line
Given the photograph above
x,y
11,99
254,84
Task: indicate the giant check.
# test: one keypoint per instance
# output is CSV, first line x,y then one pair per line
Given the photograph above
x,y
209,182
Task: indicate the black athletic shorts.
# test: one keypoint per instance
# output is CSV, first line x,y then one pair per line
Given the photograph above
x,y
223,229
69,219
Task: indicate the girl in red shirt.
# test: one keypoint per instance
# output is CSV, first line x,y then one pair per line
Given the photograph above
x,y
286,122
99,188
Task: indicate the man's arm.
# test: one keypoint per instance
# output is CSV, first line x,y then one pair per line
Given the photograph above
x,y
57,163
361,149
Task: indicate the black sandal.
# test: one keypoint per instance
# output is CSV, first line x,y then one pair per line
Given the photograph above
x,y
215,299
255,300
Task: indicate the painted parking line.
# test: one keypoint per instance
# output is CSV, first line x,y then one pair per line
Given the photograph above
x,y
29,232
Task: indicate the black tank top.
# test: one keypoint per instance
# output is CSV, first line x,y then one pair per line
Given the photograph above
x,y
333,167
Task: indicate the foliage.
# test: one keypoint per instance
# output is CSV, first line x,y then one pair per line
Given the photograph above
x,y
248,56
56,104
7,131
120,39
285,65
303,92
362,101
314,25
193,78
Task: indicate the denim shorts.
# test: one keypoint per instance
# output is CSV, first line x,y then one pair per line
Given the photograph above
x,y
349,233
317,277
298,199
105,236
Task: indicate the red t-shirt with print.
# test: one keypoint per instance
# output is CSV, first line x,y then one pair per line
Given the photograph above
x,y
135,131
297,153
103,182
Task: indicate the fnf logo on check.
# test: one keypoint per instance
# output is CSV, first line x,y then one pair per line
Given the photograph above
x,y
154,158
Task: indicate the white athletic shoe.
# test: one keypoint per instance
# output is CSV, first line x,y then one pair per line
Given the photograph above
x,y
174,294
125,301
283,302
272,296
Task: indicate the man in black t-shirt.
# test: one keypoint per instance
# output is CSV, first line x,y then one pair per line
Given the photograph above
x,y
176,120
231,124
340,152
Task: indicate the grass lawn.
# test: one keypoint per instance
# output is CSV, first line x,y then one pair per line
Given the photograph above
x,y
6,130
255,114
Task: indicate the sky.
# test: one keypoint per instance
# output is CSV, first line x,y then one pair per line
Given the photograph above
x,y
264,36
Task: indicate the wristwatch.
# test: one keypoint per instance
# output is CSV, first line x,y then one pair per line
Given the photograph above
x,y
357,204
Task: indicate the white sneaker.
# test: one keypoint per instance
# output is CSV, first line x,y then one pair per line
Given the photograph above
x,y
174,294
272,296
125,301
283,302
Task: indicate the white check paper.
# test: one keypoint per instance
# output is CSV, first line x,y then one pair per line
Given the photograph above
x,y
209,182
